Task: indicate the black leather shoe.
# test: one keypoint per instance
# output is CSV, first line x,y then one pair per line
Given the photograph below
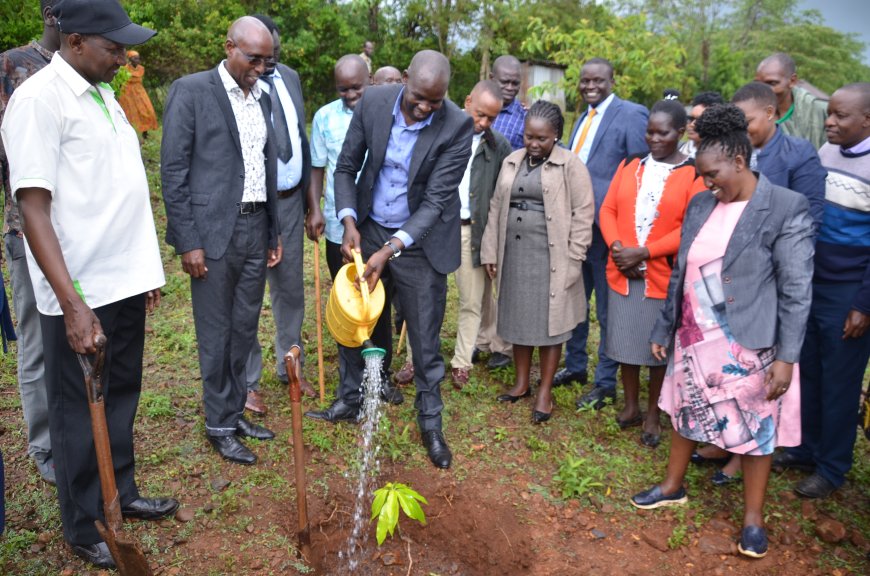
x,y
232,449
97,554
563,377
512,399
596,397
247,429
436,445
785,459
498,360
338,412
699,460
475,355
815,486
150,508
391,394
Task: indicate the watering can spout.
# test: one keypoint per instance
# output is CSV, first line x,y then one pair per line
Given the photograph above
x,y
369,349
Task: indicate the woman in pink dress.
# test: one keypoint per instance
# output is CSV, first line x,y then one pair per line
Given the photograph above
x,y
734,320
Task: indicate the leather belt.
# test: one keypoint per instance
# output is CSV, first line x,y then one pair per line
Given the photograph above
x,y
290,192
523,205
465,221
251,207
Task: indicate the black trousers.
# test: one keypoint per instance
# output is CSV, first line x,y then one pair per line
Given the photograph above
x,y
422,292
72,442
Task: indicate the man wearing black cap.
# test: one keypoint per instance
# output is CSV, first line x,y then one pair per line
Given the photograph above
x,y
93,257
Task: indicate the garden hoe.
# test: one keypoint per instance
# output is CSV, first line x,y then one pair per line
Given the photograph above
x,y
291,362
128,556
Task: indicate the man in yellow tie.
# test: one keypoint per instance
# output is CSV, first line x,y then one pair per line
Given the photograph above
x,y
610,130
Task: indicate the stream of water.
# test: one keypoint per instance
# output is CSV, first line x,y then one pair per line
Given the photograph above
x,y
370,416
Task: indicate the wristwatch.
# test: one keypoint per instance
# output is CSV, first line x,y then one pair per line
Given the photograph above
x,y
396,251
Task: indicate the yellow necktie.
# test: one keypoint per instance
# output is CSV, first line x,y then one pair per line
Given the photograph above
x,y
584,131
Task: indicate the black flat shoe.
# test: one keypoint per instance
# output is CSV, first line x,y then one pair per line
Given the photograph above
x,y
650,439
230,448
150,508
699,460
539,417
563,377
436,446
631,422
512,399
248,429
338,412
97,554
498,360
597,398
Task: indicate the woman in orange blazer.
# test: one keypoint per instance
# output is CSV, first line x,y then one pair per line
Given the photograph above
x,y
640,220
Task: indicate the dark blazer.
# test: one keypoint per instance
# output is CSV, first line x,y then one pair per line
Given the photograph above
x,y
793,163
294,88
438,163
202,171
766,275
622,133
485,167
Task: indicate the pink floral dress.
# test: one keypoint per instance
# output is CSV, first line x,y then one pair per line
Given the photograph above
x,y
714,388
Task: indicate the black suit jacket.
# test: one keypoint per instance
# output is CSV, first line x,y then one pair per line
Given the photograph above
x,y
202,171
438,163
294,88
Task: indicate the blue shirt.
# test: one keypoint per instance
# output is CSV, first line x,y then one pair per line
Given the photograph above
x,y
327,137
511,123
390,194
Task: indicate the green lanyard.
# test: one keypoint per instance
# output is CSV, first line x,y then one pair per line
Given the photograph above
x,y
98,98
787,115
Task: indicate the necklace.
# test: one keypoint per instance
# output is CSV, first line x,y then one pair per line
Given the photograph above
x,y
533,164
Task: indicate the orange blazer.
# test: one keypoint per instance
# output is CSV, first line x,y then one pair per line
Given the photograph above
x,y
617,222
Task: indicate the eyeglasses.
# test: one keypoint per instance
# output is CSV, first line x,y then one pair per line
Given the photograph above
x,y
255,60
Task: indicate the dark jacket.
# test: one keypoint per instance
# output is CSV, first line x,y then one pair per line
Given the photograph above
x,y
766,272
493,149
438,162
793,163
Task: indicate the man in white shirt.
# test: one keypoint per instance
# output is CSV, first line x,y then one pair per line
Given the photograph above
x,y
93,257
218,169
284,90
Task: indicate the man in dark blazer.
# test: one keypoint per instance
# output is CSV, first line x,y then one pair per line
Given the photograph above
x,y
281,85
218,167
403,213
610,130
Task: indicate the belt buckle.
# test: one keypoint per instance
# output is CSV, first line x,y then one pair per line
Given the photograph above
x,y
244,210
523,205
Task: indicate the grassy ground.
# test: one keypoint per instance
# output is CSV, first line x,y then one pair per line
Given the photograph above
x,y
580,459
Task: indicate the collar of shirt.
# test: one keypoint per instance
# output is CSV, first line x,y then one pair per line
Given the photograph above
x,y
399,118
47,54
602,107
513,108
69,75
859,148
230,83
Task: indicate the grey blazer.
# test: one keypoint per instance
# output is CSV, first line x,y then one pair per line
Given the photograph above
x,y
202,171
438,163
766,274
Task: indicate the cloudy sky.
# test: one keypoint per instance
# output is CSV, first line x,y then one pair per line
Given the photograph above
x,y
846,16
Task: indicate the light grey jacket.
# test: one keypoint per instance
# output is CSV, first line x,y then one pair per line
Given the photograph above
x,y
766,274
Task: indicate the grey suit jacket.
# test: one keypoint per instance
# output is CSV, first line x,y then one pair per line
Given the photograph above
x,y
766,274
438,163
621,134
202,171
294,88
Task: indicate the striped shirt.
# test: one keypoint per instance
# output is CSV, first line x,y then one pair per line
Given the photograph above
x,y
511,123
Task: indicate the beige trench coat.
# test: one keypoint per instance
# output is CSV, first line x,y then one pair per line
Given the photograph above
x,y
569,208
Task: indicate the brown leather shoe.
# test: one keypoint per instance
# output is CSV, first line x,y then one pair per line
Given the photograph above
x,y
255,403
307,388
406,374
460,377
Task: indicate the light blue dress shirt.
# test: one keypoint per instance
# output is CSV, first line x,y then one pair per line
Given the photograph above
x,y
390,195
327,137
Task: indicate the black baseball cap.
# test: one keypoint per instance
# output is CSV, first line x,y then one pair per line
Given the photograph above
x,y
105,18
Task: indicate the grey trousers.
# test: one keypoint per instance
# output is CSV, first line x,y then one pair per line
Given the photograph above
x,y
422,294
31,369
286,291
226,309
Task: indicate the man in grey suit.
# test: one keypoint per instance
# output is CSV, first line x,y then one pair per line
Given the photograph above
x,y
403,213
281,85
609,131
218,168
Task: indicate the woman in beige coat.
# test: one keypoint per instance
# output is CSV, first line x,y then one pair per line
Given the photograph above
x,y
539,227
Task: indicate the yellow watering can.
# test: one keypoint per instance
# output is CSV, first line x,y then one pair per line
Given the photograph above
x,y
351,313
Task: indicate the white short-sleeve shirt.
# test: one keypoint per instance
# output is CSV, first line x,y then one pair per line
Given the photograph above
x,y
71,138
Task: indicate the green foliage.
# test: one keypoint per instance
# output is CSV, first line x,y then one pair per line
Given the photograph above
x,y
386,504
20,23
120,80
577,477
